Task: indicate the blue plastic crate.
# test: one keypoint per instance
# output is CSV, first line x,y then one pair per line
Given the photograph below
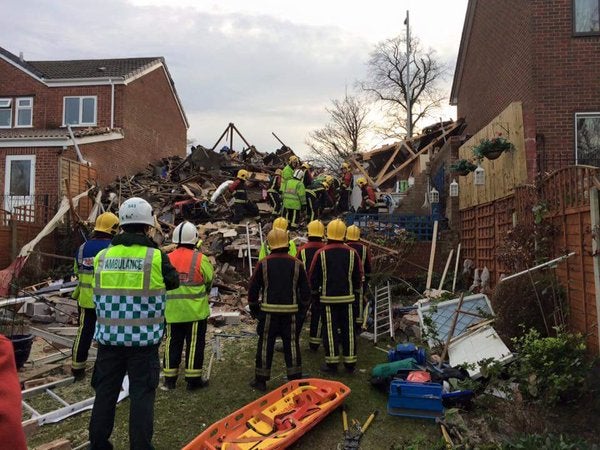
x,y
404,351
419,400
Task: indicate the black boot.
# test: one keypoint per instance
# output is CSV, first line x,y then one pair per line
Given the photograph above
x,y
259,385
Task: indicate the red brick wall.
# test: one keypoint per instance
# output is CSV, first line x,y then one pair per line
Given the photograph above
x,y
152,125
525,51
46,168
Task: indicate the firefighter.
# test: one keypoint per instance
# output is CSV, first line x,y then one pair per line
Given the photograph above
x,y
345,188
337,273
187,309
106,226
274,192
353,240
131,279
369,200
308,176
278,296
282,224
288,171
315,199
306,253
294,199
242,206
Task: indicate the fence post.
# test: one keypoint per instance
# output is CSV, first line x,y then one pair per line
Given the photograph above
x,y
595,222
13,239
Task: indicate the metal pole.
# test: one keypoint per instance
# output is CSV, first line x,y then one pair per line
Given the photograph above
x,y
408,99
548,263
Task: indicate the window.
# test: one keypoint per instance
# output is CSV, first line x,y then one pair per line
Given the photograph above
x,y
79,111
24,112
587,138
5,112
19,185
586,16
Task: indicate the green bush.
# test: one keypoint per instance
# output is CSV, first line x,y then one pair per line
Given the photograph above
x,y
551,369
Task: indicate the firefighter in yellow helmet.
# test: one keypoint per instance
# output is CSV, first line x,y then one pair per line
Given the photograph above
x,y
336,272
353,240
280,223
345,188
274,192
278,296
107,225
288,171
369,200
242,205
306,253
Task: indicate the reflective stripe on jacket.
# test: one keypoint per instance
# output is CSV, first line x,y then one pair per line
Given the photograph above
x,y
294,195
130,293
84,269
189,302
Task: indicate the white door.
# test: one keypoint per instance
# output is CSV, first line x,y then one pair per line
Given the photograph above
x,y
19,184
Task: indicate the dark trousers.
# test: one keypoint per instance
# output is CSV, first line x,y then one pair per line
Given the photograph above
x,y
275,201
344,202
193,334
338,330
313,207
143,367
241,210
270,326
315,336
83,340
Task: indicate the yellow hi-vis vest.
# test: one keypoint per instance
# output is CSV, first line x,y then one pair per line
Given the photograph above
x,y
189,302
83,292
129,293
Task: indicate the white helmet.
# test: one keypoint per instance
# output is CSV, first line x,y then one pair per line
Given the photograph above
x,y
185,233
136,210
298,174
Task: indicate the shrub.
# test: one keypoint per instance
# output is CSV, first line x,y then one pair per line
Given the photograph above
x,y
551,369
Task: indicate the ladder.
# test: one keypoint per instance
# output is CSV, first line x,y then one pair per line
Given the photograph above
x,y
382,312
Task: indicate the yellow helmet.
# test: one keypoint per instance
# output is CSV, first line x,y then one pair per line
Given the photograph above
x,y
336,230
325,184
243,174
107,223
293,159
329,179
346,166
305,166
278,172
352,233
362,181
277,238
316,229
280,223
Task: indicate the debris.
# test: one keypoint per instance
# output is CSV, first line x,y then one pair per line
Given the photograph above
x,y
58,444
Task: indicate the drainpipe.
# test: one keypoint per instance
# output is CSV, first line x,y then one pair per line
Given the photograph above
x,y
79,155
112,103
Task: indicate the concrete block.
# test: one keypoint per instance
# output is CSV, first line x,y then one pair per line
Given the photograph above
x,y
37,309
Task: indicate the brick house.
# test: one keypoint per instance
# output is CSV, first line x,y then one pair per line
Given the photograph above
x,y
530,70
122,114
545,55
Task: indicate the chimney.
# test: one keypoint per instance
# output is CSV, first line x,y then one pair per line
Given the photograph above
x,y
21,57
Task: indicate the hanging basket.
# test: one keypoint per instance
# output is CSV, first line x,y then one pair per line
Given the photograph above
x,y
462,167
493,154
22,346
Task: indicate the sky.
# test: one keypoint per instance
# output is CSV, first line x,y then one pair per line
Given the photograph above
x,y
265,65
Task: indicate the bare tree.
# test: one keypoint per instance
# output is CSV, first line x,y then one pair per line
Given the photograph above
x,y
387,82
343,135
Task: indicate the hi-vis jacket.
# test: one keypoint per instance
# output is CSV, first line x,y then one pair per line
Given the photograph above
x,y
294,194
281,283
130,282
337,272
265,250
189,302
84,269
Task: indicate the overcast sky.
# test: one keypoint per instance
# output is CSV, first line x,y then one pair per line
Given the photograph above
x,y
266,65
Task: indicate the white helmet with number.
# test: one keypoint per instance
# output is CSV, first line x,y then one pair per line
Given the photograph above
x,y
136,210
298,174
185,233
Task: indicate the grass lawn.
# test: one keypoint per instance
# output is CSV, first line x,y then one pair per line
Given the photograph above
x,y
181,415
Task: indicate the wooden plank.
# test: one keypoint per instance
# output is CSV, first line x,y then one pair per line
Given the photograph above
x,y
363,171
388,163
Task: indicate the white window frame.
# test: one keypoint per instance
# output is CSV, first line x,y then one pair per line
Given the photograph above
x,y
80,123
582,115
19,108
12,201
6,103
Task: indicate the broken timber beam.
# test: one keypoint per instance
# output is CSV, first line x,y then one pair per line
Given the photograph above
x,y
389,162
364,172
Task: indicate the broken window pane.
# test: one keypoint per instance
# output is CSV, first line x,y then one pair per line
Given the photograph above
x,y
20,177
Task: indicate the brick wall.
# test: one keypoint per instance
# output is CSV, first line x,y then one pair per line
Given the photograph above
x,y
152,125
525,51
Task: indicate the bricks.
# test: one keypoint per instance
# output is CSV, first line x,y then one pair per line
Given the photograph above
x,y
525,51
